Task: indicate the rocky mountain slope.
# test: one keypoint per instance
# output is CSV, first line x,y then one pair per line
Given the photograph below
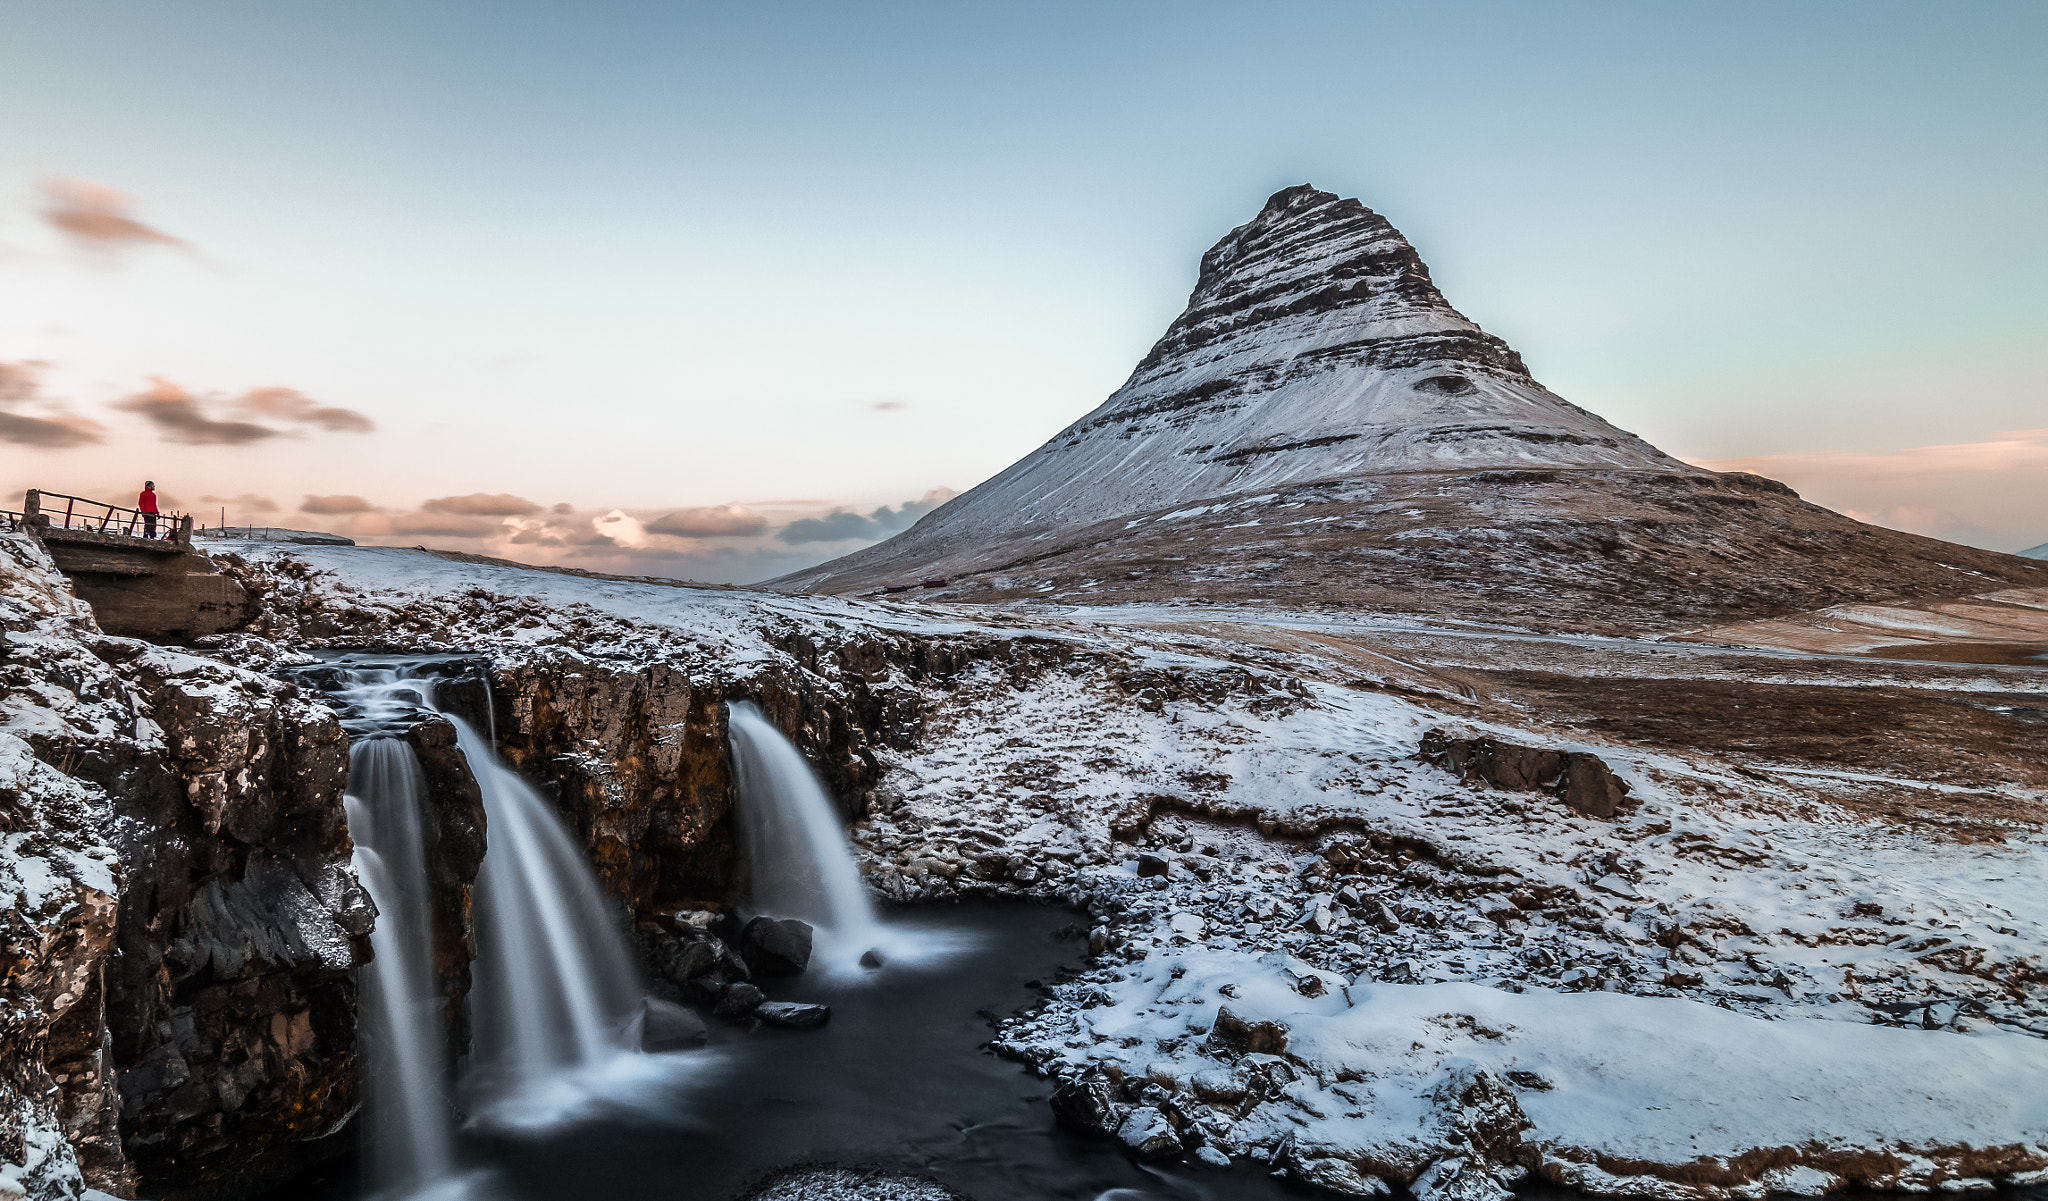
x,y
1320,428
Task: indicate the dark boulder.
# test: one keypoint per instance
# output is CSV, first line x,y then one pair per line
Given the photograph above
x,y
776,946
1089,1105
795,1014
664,1026
1232,1036
1153,865
738,1000
1150,1134
693,959
1591,787
1584,782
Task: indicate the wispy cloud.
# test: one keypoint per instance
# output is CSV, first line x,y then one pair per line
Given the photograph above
x,y
714,521
177,413
183,416
290,404
331,505
247,502
50,425
96,216
845,525
482,504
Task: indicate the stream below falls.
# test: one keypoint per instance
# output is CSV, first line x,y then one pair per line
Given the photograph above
x,y
896,1080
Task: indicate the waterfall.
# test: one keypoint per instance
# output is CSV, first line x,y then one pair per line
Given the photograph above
x,y
553,985
554,988
410,1124
796,847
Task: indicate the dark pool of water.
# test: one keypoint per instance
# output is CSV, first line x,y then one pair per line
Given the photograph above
x,y
896,1080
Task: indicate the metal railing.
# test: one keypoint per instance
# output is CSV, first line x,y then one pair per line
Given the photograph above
x,y
81,513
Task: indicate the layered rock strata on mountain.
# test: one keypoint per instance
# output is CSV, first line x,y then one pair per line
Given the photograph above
x,y
1320,427
189,815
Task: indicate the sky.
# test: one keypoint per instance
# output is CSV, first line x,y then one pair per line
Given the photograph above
x,y
719,291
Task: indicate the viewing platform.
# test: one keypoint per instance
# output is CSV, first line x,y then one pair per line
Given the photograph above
x,y
138,571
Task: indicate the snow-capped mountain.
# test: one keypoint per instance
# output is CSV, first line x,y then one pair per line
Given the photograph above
x,y
1314,347
1320,427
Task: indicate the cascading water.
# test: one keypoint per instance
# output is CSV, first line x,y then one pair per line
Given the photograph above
x,y
796,847
411,1128
554,989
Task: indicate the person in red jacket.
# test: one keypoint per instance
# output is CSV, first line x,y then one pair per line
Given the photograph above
x,y
146,505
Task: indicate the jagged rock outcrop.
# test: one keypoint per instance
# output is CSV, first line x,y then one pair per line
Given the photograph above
x,y
1321,429
195,810
452,838
58,878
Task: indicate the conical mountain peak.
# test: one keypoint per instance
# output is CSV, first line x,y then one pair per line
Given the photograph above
x,y
1314,347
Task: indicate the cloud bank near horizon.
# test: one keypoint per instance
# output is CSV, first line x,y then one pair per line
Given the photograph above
x,y
1991,494
731,543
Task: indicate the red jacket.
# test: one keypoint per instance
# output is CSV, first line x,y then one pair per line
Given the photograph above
x,y
147,501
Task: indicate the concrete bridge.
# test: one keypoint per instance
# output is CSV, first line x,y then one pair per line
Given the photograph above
x,y
142,578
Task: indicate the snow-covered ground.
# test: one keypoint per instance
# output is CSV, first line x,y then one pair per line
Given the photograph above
x,y
1741,983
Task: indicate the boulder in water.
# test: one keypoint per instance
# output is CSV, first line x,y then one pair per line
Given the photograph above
x,y
1088,1104
871,958
776,946
1148,1132
738,1000
796,1014
665,1026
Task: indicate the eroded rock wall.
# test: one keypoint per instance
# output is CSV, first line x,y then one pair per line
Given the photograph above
x,y
180,993
636,757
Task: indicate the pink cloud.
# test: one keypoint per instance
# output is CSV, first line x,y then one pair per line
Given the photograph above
x,y
1992,493
96,216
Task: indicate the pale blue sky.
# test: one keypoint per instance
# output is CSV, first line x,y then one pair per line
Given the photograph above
x,y
656,255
